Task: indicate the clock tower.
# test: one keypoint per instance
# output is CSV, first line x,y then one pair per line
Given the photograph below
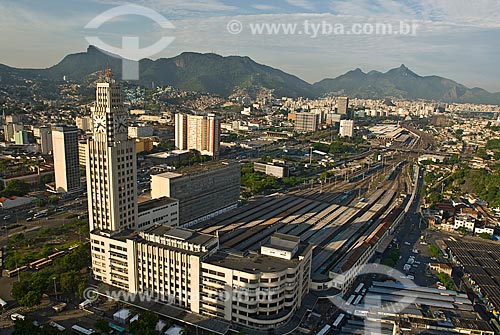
x,y
111,163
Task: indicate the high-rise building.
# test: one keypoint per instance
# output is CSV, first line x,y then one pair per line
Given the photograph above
x,y
181,131
198,132
140,131
10,129
21,137
346,128
84,123
45,135
66,161
111,163
343,106
306,122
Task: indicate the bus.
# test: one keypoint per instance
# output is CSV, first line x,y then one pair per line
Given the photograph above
x,y
15,272
116,328
81,330
35,263
43,264
324,330
57,254
338,321
359,288
350,300
358,300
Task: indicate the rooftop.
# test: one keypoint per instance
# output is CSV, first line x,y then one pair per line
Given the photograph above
x,y
154,203
253,262
198,168
180,234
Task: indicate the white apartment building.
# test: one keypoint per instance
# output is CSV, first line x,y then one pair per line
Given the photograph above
x,y
346,128
198,132
466,221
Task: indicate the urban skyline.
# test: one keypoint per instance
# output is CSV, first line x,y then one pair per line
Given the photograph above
x,y
444,26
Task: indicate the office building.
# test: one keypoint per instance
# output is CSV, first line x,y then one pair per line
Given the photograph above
x,y
275,170
203,191
111,163
306,122
10,129
260,289
140,131
45,140
144,144
21,137
346,128
66,161
82,153
198,132
84,123
343,106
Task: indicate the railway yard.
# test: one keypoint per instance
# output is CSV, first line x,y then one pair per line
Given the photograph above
x,y
338,218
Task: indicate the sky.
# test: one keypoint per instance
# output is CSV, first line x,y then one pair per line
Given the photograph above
x,y
456,39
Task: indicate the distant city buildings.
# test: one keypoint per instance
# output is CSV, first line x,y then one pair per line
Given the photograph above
x,y
343,106
140,131
10,129
45,140
198,132
346,128
84,123
66,160
21,137
306,122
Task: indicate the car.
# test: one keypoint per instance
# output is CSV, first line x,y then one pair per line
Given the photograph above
x,y
7,217
434,258
16,316
410,277
29,219
407,243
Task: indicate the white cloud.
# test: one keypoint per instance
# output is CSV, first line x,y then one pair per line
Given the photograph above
x,y
305,4
264,7
176,7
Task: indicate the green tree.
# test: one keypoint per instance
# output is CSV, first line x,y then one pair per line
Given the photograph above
x,y
31,299
53,200
102,326
16,187
145,325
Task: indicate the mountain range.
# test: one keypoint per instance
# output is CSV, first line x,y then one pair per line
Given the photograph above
x,y
220,75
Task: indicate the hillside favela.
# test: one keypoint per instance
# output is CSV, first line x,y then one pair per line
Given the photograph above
x,y
219,167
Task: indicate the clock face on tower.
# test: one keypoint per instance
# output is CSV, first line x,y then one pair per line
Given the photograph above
x,y
99,124
120,123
